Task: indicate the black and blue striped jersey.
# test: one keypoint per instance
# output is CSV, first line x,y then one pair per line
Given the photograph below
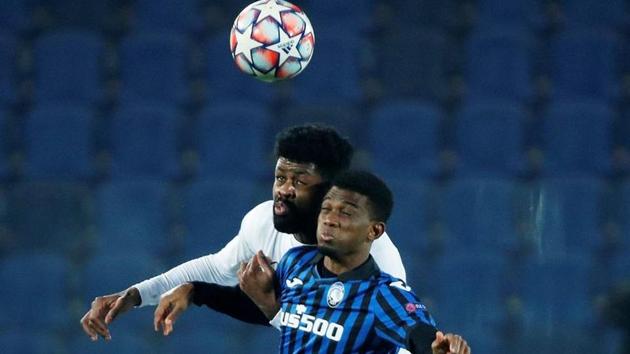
x,y
361,311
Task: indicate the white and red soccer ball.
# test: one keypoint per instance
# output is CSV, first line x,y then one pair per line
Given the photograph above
x,y
272,40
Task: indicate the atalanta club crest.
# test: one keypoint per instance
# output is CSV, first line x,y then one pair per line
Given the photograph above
x,y
335,294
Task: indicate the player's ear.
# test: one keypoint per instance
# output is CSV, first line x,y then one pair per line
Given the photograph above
x,y
377,228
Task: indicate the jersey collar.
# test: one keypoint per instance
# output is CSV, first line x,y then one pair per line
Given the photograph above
x,y
364,271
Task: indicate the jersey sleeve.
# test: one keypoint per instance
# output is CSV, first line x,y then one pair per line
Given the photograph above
x,y
399,313
387,257
219,268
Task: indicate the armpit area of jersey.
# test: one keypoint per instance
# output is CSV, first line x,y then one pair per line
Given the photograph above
x,y
420,337
229,300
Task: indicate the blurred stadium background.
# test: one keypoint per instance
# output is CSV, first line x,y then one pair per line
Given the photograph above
x,y
129,143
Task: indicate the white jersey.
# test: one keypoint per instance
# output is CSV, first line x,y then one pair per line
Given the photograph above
x,y
256,233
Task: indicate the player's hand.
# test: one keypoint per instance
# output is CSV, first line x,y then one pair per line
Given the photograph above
x,y
449,344
256,279
172,304
105,309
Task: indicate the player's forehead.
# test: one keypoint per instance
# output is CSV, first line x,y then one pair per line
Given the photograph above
x,y
346,197
300,168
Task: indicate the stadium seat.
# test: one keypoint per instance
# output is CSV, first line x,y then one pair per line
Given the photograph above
x,y
624,218
29,275
508,51
50,216
182,16
402,14
58,142
396,62
345,118
201,328
543,293
413,126
520,13
334,73
594,14
489,138
478,215
355,16
15,15
468,292
8,65
123,342
212,213
565,217
92,15
4,144
20,341
68,67
153,68
220,154
577,138
584,64
133,215
225,81
410,223
144,141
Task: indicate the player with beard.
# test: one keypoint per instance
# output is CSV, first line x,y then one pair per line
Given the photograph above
x,y
307,158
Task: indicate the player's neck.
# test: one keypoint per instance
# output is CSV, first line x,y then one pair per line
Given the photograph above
x,y
348,263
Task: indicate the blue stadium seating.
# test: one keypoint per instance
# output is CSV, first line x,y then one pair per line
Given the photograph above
x,y
350,14
520,13
4,144
334,73
28,342
8,55
264,340
231,138
153,68
51,216
123,342
345,118
509,51
200,328
396,61
68,67
410,223
414,127
92,15
490,138
15,15
544,288
59,142
568,125
593,14
564,217
212,213
624,218
467,292
182,16
133,215
30,275
584,64
225,81
479,215
404,14
144,141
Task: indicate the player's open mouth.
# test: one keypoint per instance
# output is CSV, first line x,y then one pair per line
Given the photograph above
x,y
326,236
280,208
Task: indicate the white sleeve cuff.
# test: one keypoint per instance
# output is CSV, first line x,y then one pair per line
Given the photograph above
x,y
275,321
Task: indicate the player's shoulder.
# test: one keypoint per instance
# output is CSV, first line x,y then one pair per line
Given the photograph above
x,y
388,283
260,216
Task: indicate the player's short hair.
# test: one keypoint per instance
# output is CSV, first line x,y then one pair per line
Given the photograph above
x,y
368,184
318,144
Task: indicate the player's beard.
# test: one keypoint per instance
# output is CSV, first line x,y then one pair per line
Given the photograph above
x,y
302,221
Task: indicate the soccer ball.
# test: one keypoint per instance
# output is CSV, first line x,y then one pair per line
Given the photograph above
x,y
272,40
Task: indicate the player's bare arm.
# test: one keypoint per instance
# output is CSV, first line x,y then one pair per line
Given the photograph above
x,y
105,309
172,304
256,279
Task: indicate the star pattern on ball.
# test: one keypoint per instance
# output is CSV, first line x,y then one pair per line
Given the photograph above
x,y
270,8
286,47
245,43
268,76
308,27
